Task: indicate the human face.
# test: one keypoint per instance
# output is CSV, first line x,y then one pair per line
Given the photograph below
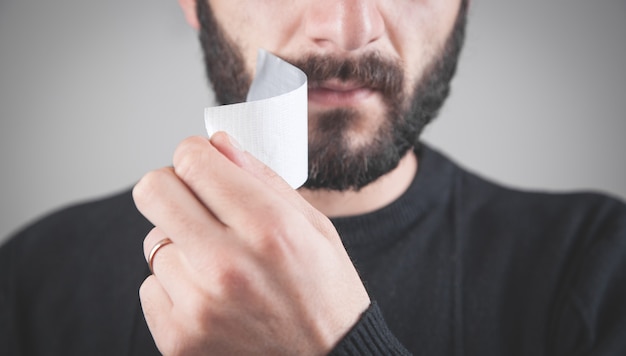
x,y
378,71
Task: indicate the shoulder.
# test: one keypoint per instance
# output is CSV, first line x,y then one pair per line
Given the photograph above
x,y
530,223
558,257
78,236
84,221
68,282
477,197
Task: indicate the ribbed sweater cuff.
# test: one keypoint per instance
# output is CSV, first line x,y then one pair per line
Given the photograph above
x,y
369,336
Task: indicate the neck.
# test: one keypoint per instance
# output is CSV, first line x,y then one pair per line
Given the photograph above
x,y
374,196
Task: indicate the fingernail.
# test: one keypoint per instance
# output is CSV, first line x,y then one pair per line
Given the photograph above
x,y
234,143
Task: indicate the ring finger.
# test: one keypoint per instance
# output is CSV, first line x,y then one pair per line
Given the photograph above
x,y
169,265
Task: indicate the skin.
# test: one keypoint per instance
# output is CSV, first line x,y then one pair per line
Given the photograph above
x,y
256,267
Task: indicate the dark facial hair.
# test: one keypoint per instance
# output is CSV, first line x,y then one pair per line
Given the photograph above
x,y
334,163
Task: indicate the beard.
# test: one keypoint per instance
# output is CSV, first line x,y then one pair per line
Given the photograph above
x,y
335,162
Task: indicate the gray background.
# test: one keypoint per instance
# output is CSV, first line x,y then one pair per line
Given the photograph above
x,y
95,93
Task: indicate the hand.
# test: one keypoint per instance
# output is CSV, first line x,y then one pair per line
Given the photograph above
x,y
253,268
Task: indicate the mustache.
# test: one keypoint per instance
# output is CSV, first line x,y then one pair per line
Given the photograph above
x,y
370,70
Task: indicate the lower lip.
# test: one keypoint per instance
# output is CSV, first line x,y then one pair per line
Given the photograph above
x,y
328,97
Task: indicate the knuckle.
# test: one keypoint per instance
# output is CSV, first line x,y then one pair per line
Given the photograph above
x,y
196,316
232,281
197,308
145,295
323,225
149,186
229,277
271,243
274,235
187,156
174,335
269,173
150,239
170,343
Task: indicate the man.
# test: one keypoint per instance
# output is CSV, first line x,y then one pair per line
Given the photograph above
x,y
388,248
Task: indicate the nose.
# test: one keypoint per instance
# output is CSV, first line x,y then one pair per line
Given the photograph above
x,y
346,25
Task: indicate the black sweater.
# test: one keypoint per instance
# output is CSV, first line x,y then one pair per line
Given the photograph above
x,y
456,266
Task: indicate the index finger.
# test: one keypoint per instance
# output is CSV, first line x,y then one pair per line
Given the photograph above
x,y
233,195
229,148
238,189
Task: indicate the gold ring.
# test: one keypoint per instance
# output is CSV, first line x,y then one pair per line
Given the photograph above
x,y
155,248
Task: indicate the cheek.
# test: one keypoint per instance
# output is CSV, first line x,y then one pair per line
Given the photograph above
x,y
236,19
420,30
256,24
